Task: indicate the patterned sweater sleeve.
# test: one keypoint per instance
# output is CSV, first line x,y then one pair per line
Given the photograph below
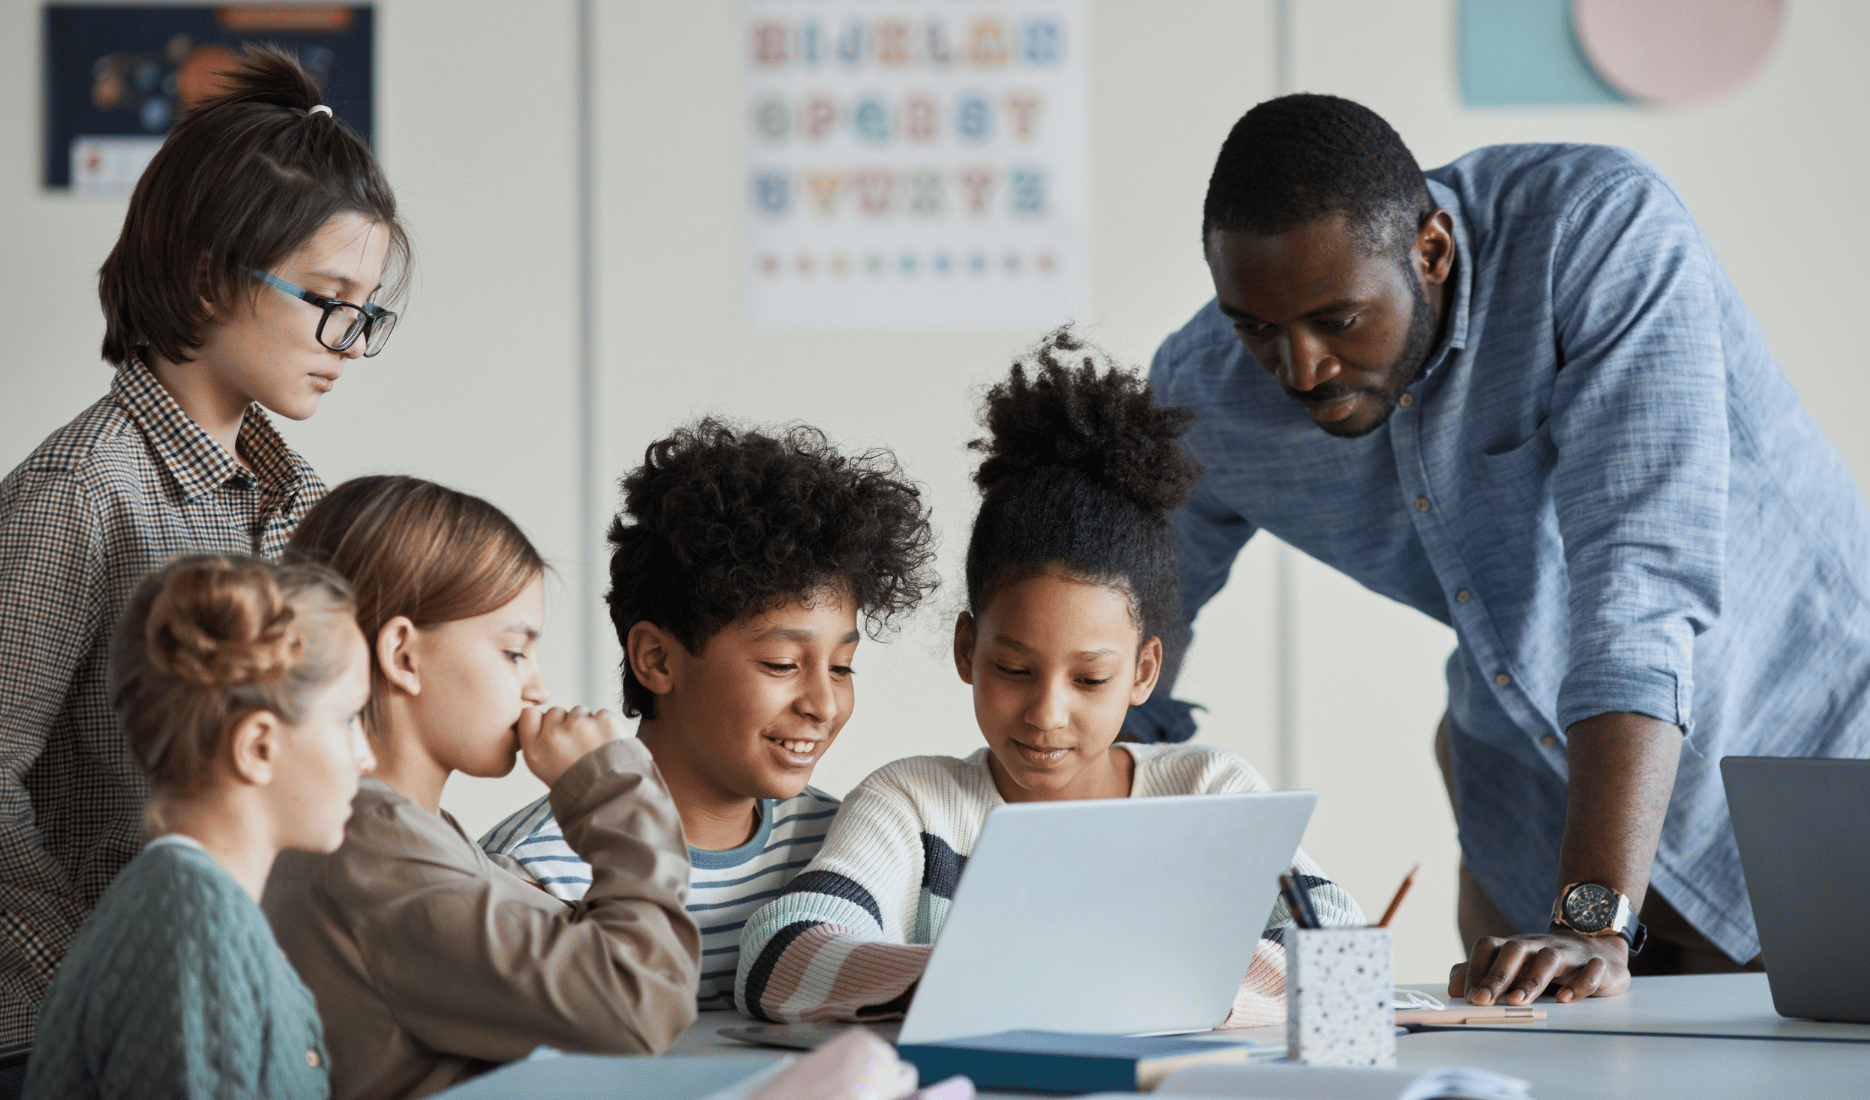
x,y
1261,999
834,945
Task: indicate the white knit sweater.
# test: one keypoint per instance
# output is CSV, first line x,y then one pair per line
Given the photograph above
x,y
851,933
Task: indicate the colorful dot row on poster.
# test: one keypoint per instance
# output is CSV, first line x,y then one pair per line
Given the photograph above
x,y
987,42
977,263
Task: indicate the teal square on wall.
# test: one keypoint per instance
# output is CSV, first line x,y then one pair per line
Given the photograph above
x,y
1518,53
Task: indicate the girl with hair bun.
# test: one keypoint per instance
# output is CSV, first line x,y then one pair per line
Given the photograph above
x,y
432,962
239,685
248,274
1071,599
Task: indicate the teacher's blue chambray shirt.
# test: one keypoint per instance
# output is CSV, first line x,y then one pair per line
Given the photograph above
x,y
1604,484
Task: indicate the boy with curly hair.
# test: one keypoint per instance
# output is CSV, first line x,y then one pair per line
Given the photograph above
x,y
739,568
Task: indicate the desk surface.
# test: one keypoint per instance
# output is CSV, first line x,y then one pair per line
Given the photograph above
x,y
1730,1005
1708,1036
1565,1065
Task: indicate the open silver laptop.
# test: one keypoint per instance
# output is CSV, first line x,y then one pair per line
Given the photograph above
x,y
1114,916
1804,832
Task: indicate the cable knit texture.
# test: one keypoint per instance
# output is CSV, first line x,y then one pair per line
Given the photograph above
x,y
175,987
851,934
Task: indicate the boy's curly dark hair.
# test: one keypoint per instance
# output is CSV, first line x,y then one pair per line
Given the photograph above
x,y
1082,466
722,521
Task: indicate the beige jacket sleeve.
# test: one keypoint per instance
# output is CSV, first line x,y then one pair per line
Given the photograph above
x,y
422,951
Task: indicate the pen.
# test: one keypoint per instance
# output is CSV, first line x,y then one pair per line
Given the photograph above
x,y
1401,892
1305,900
1289,891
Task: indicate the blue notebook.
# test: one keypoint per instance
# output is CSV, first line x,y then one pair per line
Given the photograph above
x,y
1058,1061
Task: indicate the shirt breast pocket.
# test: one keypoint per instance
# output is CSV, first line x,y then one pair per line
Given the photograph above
x,y
1521,548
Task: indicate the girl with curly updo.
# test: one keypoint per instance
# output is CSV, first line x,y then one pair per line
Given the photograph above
x,y
430,961
741,565
1071,598
239,686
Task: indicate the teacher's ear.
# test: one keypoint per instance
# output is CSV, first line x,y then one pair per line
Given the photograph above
x,y
964,647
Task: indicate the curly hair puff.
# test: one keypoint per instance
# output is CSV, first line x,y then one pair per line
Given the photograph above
x,y
721,522
1082,468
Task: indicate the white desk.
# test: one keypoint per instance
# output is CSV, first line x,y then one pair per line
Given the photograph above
x,y
1733,1005
1570,1054
1568,1065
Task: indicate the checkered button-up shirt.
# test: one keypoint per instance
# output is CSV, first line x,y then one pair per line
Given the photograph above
x,y
101,503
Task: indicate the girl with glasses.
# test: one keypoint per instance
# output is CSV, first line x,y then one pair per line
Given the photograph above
x,y
246,278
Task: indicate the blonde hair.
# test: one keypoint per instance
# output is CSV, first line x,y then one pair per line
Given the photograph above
x,y
209,639
415,549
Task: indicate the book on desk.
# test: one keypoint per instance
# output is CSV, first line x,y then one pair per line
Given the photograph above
x,y
1071,1062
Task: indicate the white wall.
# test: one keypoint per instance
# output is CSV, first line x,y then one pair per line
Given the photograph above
x,y
476,123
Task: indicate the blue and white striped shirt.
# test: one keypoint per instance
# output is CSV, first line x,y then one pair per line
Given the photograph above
x,y
724,888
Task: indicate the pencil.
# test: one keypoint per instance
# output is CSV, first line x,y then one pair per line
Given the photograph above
x,y
1401,892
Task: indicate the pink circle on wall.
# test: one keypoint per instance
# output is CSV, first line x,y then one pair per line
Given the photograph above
x,y
1678,51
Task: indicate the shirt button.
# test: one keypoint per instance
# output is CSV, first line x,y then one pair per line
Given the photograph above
x,y
1461,596
312,1059
1405,400
1548,740
1502,679
1421,504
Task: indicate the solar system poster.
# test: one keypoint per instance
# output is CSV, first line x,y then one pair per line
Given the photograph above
x,y
118,78
914,165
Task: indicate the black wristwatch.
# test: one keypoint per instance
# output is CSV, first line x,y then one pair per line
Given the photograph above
x,y
1593,909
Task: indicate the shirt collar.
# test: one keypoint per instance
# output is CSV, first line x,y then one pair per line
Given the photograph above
x,y
1463,282
277,465
191,456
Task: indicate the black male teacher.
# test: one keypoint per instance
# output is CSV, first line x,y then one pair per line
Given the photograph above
x,y
1519,394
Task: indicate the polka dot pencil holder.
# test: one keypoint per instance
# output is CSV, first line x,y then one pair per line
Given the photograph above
x,y
1338,989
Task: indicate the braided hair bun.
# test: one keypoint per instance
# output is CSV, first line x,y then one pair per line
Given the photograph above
x,y
221,623
210,638
1082,466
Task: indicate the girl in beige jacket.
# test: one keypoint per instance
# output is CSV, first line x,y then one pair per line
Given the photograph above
x,y
431,962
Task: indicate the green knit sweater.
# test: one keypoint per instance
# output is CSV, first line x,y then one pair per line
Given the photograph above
x,y
176,987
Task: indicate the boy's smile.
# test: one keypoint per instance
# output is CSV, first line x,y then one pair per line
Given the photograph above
x,y
749,715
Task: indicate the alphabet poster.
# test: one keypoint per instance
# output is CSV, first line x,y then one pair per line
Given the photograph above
x,y
914,163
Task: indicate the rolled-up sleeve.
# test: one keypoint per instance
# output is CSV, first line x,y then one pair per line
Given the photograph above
x,y
1639,426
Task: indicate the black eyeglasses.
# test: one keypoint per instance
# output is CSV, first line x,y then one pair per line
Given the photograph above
x,y
370,321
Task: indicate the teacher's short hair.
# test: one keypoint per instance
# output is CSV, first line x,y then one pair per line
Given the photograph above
x,y
1299,158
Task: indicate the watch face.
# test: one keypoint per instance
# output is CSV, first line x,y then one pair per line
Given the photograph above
x,y
1590,907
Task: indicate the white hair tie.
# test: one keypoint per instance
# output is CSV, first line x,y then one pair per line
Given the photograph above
x,y
319,108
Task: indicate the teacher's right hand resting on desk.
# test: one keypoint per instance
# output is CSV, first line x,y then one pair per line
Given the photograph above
x,y
1622,770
